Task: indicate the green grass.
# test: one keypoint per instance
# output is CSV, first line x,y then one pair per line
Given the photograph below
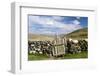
x,y
37,57
76,56
67,56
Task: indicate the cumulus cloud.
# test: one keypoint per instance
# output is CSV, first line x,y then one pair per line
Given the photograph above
x,y
40,20
52,25
76,22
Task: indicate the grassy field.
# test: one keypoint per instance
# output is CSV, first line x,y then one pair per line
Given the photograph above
x,y
67,56
37,57
75,56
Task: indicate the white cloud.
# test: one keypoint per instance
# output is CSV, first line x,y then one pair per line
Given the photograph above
x,y
58,18
76,22
67,27
53,22
78,17
40,20
44,20
50,22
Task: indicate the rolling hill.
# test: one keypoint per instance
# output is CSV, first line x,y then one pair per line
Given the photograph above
x,y
77,34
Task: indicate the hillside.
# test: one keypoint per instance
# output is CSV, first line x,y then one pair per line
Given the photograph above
x,y
77,34
81,33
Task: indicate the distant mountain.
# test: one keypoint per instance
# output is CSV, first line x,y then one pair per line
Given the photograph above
x,y
39,37
81,33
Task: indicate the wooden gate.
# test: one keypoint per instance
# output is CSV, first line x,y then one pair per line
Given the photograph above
x,y
58,46
58,50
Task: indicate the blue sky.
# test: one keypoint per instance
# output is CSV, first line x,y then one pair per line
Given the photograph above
x,y
42,24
